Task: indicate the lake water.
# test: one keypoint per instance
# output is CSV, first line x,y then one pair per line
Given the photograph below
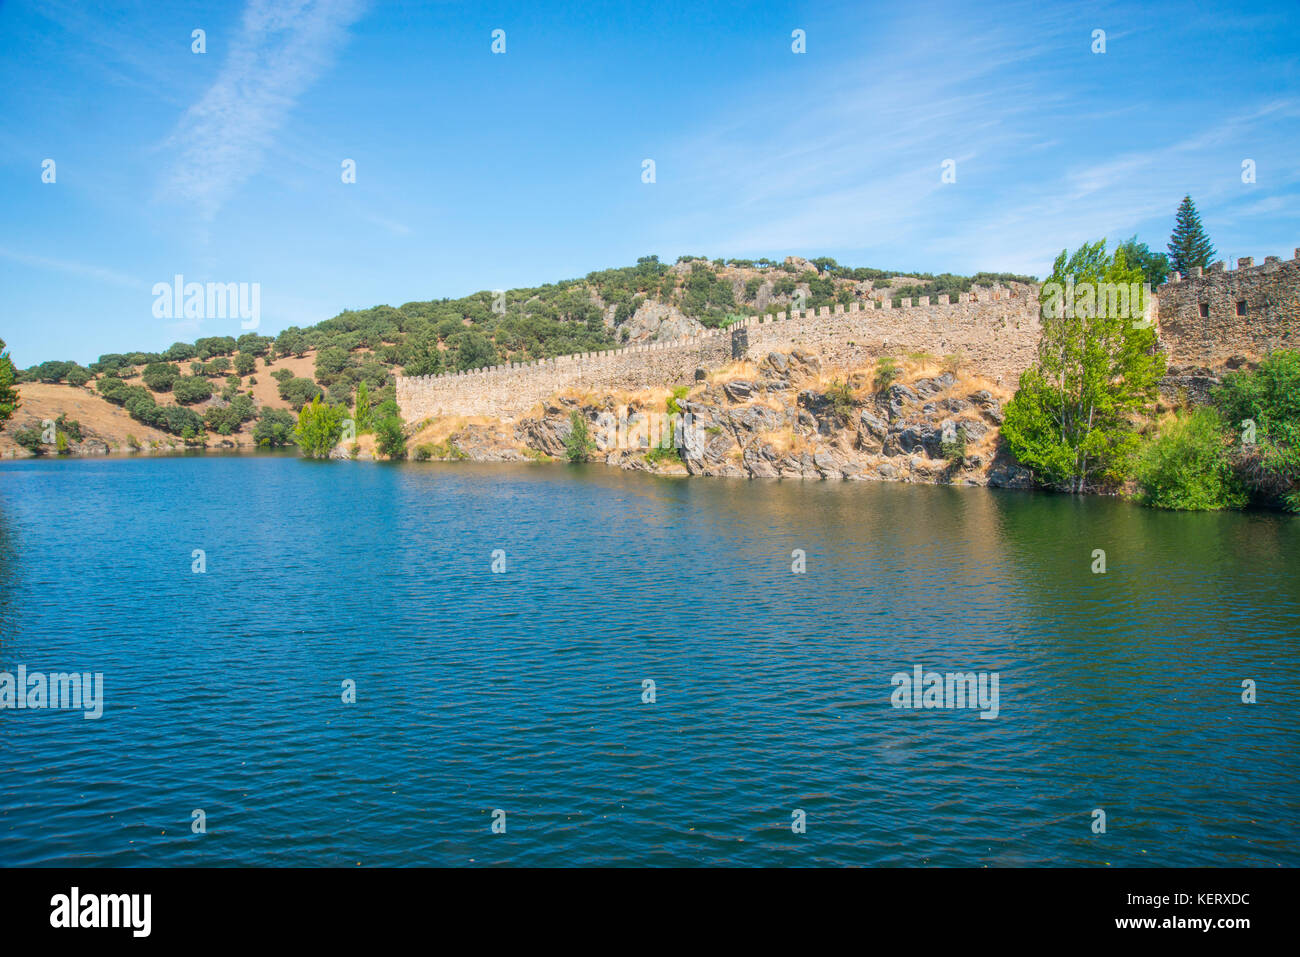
x,y
522,691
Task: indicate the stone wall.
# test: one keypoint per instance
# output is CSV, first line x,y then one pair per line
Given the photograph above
x,y
995,330
992,328
1219,318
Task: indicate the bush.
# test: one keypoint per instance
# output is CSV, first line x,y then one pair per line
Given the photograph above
x,y
954,450
70,426
319,428
1187,465
840,394
298,392
191,389
578,445
1268,399
274,428
30,439
887,371
390,440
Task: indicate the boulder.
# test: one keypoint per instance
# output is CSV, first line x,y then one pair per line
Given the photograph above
x,y
739,390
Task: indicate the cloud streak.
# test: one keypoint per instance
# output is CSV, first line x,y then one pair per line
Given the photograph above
x,y
280,50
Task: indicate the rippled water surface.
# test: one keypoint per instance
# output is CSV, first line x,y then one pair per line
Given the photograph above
x,y
522,691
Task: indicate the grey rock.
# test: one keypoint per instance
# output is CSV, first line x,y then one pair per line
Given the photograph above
x,y
739,390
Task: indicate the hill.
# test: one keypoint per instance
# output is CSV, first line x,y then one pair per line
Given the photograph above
x,y
223,391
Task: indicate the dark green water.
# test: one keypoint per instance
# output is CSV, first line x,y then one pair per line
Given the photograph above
x,y
522,691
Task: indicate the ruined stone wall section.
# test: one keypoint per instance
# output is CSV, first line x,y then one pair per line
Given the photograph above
x,y
995,331
1248,311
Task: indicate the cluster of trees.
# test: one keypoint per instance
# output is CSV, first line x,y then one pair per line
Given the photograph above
x,y
140,403
1078,415
1241,449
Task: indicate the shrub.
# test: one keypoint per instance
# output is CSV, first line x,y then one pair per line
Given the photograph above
x,y
30,439
1268,399
954,450
298,392
71,426
274,428
1187,465
840,395
191,389
78,377
160,376
578,444
887,371
390,440
675,400
319,428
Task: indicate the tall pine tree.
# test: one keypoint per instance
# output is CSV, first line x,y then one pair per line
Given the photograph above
x,y
1189,246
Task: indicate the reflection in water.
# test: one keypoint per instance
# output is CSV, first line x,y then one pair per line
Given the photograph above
x,y
522,690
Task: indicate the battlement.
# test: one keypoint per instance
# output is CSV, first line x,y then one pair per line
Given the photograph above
x,y
1218,317
993,328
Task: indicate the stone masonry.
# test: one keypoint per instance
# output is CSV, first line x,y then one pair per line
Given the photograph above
x,y
1217,318
1212,320
994,330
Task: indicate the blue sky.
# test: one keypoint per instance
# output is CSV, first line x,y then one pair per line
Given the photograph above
x,y
479,171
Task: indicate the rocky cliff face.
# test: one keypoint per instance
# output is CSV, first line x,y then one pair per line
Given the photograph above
x,y
786,417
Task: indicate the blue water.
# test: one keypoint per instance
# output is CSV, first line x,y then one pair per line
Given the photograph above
x,y
522,690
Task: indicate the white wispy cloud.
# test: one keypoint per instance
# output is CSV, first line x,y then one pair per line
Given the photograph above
x,y
280,50
71,267
1041,163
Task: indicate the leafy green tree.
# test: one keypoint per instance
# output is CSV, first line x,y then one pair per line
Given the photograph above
x,y
578,444
31,439
390,440
362,413
1187,465
275,428
160,376
1262,407
320,427
245,363
9,401
299,391
330,363
1189,246
291,341
191,389
421,356
1155,266
1072,418
473,349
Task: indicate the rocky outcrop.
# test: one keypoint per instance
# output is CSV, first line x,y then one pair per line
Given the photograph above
x,y
657,322
784,421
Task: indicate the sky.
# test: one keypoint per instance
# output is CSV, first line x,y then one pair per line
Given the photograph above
x,y
480,170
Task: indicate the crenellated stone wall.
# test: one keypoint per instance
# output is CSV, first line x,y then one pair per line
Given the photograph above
x,y
1219,318
994,329
1212,320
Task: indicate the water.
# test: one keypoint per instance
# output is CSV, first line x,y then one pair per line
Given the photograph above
x,y
522,691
